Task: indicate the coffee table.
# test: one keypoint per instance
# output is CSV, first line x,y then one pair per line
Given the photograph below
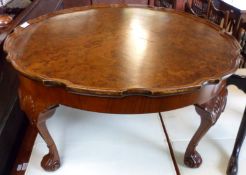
x,y
122,60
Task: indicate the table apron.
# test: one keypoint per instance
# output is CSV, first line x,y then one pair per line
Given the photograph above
x,y
51,96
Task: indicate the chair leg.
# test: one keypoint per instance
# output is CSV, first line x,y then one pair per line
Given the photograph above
x,y
233,163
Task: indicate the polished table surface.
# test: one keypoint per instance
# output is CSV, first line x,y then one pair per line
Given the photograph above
x,y
119,59
115,51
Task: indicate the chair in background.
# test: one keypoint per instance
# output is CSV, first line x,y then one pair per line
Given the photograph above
x,y
165,3
139,2
240,82
197,7
217,16
232,169
207,9
242,41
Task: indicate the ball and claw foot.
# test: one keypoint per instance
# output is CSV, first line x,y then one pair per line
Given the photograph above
x,y
232,167
193,160
49,163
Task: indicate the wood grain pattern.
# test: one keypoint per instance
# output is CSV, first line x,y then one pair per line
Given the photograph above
x,y
123,51
122,60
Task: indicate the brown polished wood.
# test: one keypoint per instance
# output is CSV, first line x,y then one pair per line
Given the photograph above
x,y
111,57
237,10
75,3
175,4
5,20
242,42
124,48
165,3
232,169
209,113
218,16
179,5
198,7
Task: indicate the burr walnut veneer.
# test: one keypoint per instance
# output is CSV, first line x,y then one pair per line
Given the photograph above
x,y
118,59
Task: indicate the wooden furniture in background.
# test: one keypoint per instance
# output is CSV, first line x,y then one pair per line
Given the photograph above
x,y
78,3
165,3
207,9
127,62
75,3
12,121
237,10
175,4
5,20
197,7
242,41
218,16
232,169
139,2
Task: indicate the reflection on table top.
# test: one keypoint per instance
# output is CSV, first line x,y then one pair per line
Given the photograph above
x,y
240,4
115,50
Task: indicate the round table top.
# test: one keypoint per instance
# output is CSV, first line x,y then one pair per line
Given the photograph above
x,y
121,51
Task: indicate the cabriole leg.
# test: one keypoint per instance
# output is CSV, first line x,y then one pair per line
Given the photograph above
x,y
209,113
38,112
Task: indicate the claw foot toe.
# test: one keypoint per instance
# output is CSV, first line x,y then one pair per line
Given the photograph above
x,y
193,160
49,163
